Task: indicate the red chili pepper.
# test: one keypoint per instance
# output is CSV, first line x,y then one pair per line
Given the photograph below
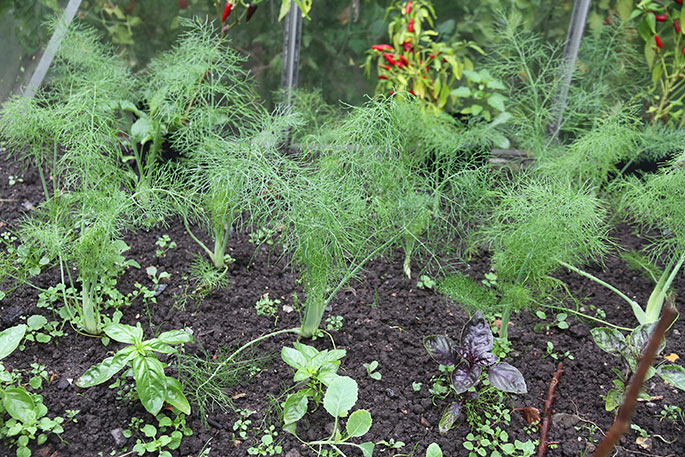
x,y
407,9
679,2
392,92
676,24
661,17
683,50
389,58
227,11
659,44
431,57
251,8
404,61
407,46
382,47
382,77
410,27
385,67
412,92
183,4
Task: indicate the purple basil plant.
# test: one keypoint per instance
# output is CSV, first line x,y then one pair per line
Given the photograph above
x,y
469,361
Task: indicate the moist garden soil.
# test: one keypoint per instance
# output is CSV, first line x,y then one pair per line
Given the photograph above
x,y
385,318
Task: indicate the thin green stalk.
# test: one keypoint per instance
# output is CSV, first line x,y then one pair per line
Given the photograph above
x,y
658,295
506,314
586,316
192,235
637,310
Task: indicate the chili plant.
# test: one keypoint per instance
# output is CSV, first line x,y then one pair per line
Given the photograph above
x,y
470,360
154,388
660,27
414,62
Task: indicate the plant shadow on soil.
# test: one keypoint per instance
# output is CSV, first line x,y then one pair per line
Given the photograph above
x,y
385,319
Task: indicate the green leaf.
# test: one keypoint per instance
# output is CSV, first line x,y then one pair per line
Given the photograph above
x,y
295,408
124,333
496,101
613,400
294,358
142,130
449,417
175,396
149,430
462,91
367,448
340,396
673,374
10,339
150,382
97,374
175,337
434,450
19,404
359,423
36,322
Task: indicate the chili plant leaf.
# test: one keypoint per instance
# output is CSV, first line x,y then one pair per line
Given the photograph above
x,y
673,374
175,396
19,404
477,337
359,423
449,417
150,382
609,340
465,376
295,408
507,378
175,337
441,349
124,333
340,396
97,374
10,339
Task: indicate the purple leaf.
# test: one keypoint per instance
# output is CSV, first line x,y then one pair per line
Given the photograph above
x,y
465,376
477,337
441,349
449,417
507,378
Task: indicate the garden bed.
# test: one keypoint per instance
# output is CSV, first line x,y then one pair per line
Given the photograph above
x,y
385,317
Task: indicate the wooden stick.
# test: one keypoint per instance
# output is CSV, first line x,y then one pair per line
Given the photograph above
x,y
625,413
547,412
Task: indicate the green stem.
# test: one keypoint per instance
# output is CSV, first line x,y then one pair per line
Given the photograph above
x,y
637,310
586,316
242,348
192,235
658,295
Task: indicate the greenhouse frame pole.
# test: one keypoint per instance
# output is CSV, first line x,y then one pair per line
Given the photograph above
x,y
570,57
292,38
52,48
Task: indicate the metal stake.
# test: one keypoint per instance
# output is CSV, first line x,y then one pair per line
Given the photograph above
x,y
52,48
292,38
570,56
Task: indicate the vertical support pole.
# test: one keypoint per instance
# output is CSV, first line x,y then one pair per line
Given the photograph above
x,y
51,49
570,57
292,38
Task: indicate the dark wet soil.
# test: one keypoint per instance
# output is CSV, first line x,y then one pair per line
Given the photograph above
x,y
385,317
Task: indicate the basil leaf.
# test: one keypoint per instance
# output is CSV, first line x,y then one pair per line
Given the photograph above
x,y
465,376
175,396
295,408
441,349
507,378
124,333
449,417
609,340
477,337
10,339
19,404
175,337
150,382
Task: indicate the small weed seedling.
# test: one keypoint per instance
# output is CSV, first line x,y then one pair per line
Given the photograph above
x,y
559,321
671,413
416,386
40,330
242,425
334,323
164,243
490,280
14,179
391,444
555,355
165,437
370,370
267,445
425,282
266,306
